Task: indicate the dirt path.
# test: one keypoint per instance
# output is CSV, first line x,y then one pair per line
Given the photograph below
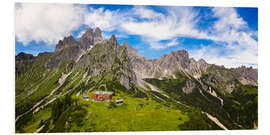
x,y
39,129
215,120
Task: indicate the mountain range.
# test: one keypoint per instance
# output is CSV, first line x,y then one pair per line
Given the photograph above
x,y
211,96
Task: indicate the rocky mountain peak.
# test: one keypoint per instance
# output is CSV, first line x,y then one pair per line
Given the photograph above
x,y
97,32
88,33
180,53
113,40
125,44
90,38
87,39
129,47
246,75
23,62
66,42
202,61
97,36
174,60
24,56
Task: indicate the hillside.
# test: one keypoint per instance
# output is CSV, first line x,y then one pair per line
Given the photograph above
x,y
173,92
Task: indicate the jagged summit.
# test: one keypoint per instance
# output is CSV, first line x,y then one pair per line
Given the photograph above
x,y
66,42
97,35
90,38
128,46
113,40
24,56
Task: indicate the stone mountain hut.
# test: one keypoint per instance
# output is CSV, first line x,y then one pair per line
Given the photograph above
x,y
101,96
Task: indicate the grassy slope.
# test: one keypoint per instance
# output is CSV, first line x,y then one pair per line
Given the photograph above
x,y
136,114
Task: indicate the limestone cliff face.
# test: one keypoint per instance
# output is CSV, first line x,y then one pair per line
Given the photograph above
x,y
247,75
90,38
65,43
179,61
109,59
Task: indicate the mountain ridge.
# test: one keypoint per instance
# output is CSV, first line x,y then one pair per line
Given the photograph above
x,y
174,79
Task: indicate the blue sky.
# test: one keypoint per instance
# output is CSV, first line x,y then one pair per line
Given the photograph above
x,y
224,36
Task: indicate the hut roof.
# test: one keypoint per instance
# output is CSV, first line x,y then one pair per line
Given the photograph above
x,y
119,100
102,92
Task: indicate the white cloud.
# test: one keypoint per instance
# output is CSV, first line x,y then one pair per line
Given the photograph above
x,y
46,22
228,19
224,55
178,22
173,42
146,13
104,19
239,48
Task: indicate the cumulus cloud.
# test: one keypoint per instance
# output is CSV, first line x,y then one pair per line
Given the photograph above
x,y
178,22
145,13
228,19
107,20
160,26
223,55
238,48
46,22
173,42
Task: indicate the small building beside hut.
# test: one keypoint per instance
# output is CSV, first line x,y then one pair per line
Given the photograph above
x,y
119,101
85,97
101,96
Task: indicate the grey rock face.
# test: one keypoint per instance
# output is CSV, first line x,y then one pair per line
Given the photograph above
x,y
23,62
67,54
90,38
175,61
190,85
141,66
247,75
97,36
113,41
44,55
109,59
66,42
197,68
24,57
87,39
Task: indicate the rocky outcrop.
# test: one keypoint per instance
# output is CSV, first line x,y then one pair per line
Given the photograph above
x,y
70,49
140,64
62,56
190,85
247,75
90,38
197,68
107,58
23,62
65,43
24,57
97,36
173,61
